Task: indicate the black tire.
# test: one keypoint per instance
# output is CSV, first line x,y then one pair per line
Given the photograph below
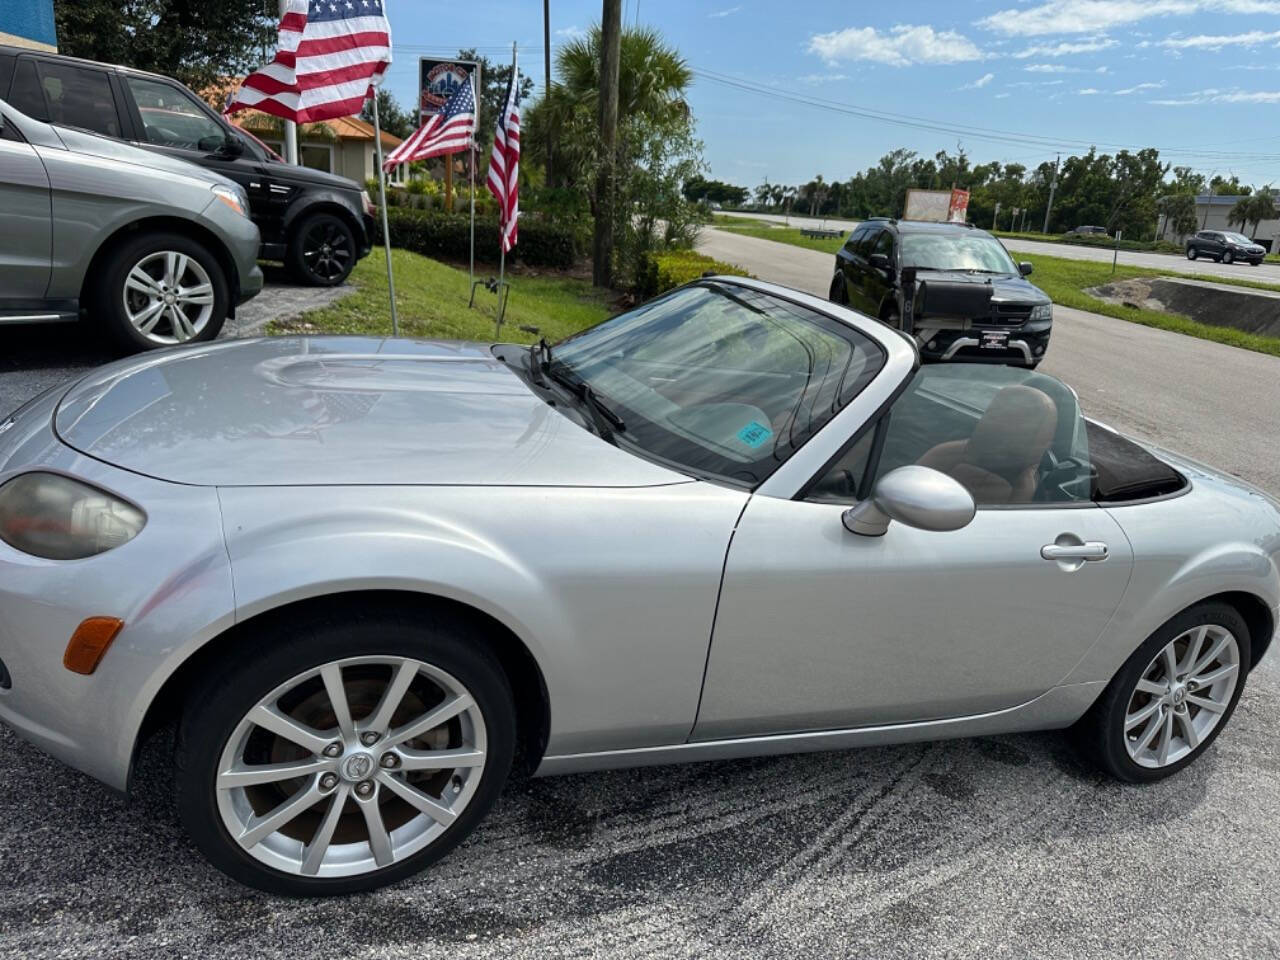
x,y
1228,258
1192,253
322,250
275,654
1100,733
839,292
107,308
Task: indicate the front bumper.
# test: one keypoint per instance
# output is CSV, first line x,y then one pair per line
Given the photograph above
x,y
1027,345
171,585
242,240
370,231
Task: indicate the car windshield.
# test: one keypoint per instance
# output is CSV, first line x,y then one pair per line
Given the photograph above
x,y
1237,238
719,379
968,251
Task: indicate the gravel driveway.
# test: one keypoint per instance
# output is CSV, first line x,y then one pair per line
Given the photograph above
x,y
1002,847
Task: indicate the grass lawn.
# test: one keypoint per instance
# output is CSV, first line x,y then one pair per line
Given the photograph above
x,y
1065,281
432,302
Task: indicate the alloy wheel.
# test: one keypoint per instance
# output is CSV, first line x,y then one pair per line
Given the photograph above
x,y
326,250
168,297
352,766
1182,696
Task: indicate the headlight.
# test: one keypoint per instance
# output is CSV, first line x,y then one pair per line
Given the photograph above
x,y
232,198
55,517
1042,311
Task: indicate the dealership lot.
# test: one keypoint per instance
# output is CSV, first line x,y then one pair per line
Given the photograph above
x,y
907,851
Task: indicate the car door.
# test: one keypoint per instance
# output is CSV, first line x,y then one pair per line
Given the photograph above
x,y
819,628
860,269
26,221
880,282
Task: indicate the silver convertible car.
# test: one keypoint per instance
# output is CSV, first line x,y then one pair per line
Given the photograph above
x,y
364,579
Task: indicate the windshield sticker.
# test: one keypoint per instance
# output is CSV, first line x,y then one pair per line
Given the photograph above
x,y
754,434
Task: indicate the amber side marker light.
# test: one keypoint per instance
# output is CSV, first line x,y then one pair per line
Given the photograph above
x,y
89,643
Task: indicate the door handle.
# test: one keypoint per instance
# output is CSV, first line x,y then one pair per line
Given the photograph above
x,y
1092,551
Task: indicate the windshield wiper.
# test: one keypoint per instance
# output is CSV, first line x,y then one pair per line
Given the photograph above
x,y
605,420
539,360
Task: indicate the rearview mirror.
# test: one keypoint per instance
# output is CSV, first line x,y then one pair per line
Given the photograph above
x,y
1025,268
920,497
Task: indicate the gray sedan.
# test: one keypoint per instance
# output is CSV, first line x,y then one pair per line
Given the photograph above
x,y
367,578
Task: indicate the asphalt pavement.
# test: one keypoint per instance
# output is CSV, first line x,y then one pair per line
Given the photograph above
x,y
1003,847
1266,272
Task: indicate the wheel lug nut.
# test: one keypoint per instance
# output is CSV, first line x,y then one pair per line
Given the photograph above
x,y
333,750
364,788
328,781
369,738
390,761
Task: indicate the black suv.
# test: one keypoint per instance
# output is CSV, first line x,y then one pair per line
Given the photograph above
x,y
1225,247
963,296
317,223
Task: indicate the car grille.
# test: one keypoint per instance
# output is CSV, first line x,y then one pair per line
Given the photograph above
x,y
1008,314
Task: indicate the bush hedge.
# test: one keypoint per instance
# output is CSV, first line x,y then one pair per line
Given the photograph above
x,y
447,236
667,270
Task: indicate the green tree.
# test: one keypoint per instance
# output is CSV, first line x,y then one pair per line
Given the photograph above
x,y
1179,211
1253,208
494,78
392,118
197,41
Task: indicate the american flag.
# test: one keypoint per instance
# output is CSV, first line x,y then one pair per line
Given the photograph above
x,y
449,131
504,163
329,53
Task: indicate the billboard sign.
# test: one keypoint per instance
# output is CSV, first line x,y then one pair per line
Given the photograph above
x,y
438,80
937,206
959,208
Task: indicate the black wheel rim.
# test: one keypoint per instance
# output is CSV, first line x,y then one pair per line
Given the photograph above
x,y
326,250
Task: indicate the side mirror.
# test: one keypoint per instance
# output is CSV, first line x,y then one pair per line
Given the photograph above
x,y
229,146
1025,268
880,261
918,496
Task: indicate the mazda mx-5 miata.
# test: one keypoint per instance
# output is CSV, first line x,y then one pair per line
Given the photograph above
x,y
364,578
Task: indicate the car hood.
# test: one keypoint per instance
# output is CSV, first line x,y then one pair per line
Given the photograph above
x,y
77,141
305,176
1012,289
291,411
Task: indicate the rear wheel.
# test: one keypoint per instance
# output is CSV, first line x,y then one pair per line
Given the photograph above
x,y
349,755
1171,698
1228,257
1192,253
323,250
159,290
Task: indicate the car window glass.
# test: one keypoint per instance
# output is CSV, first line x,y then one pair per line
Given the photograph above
x,y
171,118
7,61
721,379
867,242
851,245
1010,436
956,251
884,244
26,95
79,97
8,131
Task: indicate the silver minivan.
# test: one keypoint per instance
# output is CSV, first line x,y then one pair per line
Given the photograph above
x,y
158,251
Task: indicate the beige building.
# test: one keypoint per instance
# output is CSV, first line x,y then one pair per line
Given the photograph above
x,y
343,146
1212,213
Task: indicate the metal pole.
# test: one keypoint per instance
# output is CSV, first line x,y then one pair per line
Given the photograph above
x,y
1053,187
546,63
290,128
382,202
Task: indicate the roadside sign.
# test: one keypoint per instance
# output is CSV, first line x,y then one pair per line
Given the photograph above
x,y
438,80
938,206
958,209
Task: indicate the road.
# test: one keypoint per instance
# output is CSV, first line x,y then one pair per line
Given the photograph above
x,y
997,848
1267,272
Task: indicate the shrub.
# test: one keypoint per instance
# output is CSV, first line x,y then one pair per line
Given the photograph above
x,y
665,271
447,236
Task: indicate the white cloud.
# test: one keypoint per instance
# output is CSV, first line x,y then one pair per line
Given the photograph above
x,y
813,79
573,32
899,47
1066,48
1088,91
1049,68
1002,96
727,12
1138,88
1220,96
981,82
1090,16
1253,38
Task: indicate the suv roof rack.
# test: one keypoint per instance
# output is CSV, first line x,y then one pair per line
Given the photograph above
x,y
882,219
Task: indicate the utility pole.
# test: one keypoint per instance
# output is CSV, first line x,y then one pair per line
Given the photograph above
x,y
291,128
1053,188
546,89
610,55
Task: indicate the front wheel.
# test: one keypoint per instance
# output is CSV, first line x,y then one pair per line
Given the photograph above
x,y
322,252
1171,698
159,290
839,292
340,755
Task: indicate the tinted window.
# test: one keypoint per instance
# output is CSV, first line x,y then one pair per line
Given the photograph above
x,y
172,118
1010,436
720,379
956,251
79,97
26,95
7,61
855,238
884,244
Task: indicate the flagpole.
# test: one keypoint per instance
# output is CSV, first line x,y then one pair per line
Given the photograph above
x,y
471,157
382,202
290,128
502,226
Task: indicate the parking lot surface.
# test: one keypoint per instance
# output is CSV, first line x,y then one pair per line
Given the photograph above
x,y
1002,847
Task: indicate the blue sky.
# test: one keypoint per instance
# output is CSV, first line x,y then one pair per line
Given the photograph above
x,y
1198,78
